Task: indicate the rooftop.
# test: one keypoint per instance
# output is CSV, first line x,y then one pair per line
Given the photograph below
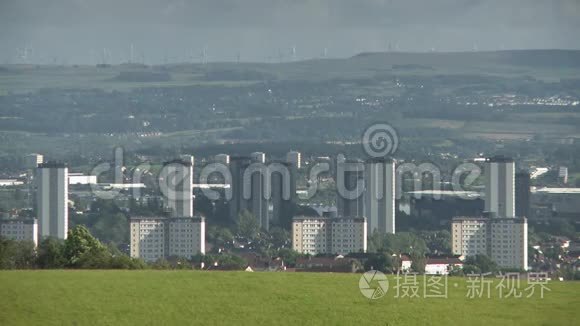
x,y
379,160
499,159
18,220
546,190
450,193
443,260
52,165
340,218
178,161
170,219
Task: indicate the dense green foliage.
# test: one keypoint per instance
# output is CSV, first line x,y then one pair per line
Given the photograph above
x,y
248,226
105,221
16,254
80,251
399,243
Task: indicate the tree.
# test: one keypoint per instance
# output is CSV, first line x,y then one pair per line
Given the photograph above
x,y
111,227
279,237
479,264
17,254
289,256
418,263
248,225
553,252
403,242
471,269
126,262
51,254
438,242
5,253
376,242
80,245
161,263
231,262
219,236
380,261
95,258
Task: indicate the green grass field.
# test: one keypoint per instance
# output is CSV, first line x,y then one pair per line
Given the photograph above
x,y
188,297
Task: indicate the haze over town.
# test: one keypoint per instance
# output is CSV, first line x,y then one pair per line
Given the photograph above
x,y
81,31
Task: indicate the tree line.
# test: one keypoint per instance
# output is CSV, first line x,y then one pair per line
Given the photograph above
x,y
79,251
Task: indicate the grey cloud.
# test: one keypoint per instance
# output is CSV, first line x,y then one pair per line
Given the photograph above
x,y
262,28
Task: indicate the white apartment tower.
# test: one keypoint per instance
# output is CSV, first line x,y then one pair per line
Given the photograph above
x,y
20,229
153,238
178,186
52,200
379,196
500,186
259,202
148,236
186,236
295,158
504,240
509,242
322,235
222,158
258,157
350,183
31,161
348,235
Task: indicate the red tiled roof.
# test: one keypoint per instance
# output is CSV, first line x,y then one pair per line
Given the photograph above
x,y
444,260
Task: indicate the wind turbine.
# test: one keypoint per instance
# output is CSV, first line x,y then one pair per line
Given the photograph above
x,y
23,53
204,55
131,53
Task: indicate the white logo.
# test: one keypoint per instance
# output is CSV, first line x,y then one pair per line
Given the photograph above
x,y
377,291
380,140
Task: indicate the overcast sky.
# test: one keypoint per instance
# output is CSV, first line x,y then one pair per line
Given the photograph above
x,y
78,31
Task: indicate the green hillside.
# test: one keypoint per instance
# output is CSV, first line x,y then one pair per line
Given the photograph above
x,y
549,65
237,298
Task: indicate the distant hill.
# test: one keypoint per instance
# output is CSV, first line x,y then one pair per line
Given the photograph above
x,y
362,69
531,58
143,76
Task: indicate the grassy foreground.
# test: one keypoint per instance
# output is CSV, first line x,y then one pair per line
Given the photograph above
x,y
189,297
